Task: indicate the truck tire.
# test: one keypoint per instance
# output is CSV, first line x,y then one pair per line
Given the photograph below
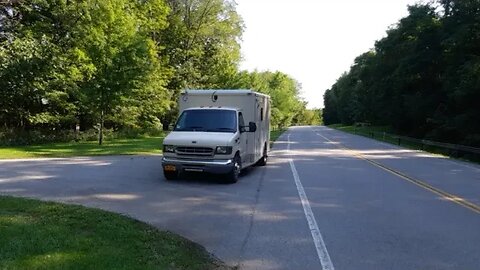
x,y
263,160
232,176
170,175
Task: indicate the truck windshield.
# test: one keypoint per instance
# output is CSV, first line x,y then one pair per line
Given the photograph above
x,y
207,121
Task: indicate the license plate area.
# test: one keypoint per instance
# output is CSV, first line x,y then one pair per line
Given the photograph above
x,y
169,168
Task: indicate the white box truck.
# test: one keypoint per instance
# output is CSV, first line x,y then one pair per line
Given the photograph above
x,y
218,131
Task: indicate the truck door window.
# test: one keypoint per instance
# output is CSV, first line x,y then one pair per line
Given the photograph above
x,y
241,122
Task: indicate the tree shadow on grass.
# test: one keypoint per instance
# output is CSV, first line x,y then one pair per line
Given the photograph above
x,y
115,147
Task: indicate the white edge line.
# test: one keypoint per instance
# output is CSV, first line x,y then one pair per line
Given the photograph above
x,y
320,246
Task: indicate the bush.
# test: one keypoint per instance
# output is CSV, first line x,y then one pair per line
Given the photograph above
x,y
13,137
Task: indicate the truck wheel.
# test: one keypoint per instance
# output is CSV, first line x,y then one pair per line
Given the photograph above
x,y
170,175
232,176
263,160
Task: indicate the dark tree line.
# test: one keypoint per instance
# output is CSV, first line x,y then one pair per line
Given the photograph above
x,y
121,64
422,79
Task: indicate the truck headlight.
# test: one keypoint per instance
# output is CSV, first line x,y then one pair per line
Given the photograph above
x,y
223,150
169,149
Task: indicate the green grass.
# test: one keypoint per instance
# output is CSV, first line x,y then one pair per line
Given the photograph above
x,y
141,146
361,129
274,134
380,133
148,145
45,235
385,134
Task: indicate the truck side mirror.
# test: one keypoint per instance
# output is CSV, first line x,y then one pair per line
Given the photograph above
x,y
252,127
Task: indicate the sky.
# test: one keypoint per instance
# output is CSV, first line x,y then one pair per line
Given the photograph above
x,y
314,41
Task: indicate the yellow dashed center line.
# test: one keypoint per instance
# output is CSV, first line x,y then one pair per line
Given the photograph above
x,y
445,195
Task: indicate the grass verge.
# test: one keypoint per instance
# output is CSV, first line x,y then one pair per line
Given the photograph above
x,y
378,133
274,134
46,235
141,146
384,134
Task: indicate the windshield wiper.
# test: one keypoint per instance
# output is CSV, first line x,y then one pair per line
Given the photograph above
x,y
222,129
194,128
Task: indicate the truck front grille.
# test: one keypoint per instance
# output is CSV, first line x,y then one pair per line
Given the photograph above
x,y
194,151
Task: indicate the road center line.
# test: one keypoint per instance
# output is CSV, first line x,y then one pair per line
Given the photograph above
x,y
443,194
322,252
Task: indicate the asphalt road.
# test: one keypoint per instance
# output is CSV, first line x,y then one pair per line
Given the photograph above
x,y
326,200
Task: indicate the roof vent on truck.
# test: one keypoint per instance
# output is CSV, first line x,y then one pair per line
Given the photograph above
x,y
214,96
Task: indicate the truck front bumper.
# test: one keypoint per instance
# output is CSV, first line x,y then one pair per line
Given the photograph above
x,y
217,166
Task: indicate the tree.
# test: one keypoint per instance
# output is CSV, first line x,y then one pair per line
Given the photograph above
x,y
120,64
201,46
283,90
67,61
421,79
122,56
38,72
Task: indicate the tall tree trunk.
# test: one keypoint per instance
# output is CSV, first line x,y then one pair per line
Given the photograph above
x,y
100,134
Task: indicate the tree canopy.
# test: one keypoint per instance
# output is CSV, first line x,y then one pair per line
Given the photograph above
x,y
422,79
122,63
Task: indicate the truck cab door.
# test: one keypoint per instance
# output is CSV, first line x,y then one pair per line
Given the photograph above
x,y
243,139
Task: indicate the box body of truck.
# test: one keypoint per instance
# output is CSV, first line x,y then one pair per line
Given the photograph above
x,y
218,131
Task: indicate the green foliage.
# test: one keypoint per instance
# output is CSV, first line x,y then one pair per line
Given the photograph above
x,y
308,117
120,64
422,79
201,46
69,62
287,105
